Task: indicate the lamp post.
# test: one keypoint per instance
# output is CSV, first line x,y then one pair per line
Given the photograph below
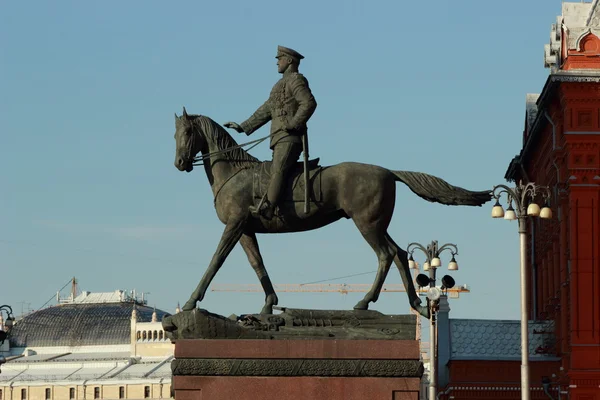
x,y
432,254
5,324
524,198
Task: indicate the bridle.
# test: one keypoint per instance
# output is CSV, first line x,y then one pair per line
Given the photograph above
x,y
200,160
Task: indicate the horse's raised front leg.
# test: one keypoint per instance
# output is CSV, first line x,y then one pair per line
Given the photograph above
x,y
231,235
250,246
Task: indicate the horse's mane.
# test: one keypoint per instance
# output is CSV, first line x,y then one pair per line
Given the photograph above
x,y
215,132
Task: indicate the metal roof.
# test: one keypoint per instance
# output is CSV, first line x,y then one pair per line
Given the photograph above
x,y
79,325
53,370
477,339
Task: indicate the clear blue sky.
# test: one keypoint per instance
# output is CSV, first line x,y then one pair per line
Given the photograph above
x,y
88,92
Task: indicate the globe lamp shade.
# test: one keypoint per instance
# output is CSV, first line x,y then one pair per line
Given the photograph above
x,y
533,210
411,263
510,213
434,294
546,213
497,211
453,266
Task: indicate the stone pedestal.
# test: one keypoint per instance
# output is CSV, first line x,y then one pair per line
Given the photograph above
x,y
293,369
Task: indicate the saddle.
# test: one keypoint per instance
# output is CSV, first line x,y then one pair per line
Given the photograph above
x,y
294,187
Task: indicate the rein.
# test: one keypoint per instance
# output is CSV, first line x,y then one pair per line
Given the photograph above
x,y
224,183
200,160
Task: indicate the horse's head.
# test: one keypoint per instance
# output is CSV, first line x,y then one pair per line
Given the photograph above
x,y
187,142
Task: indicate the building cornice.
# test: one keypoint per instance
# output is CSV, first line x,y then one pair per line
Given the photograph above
x,y
580,76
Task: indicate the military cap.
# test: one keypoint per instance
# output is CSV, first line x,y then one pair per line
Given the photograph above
x,y
284,51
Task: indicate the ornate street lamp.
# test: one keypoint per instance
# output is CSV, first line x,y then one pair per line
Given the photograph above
x,y
432,263
523,196
7,324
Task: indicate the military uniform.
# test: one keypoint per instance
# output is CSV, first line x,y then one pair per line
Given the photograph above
x,y
289,107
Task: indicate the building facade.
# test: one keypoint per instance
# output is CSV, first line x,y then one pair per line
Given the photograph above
x,y
93,346
560,149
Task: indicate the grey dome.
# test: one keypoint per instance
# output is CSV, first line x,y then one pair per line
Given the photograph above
x,y
80,325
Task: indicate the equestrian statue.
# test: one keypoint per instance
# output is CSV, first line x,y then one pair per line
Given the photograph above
x,y
284,195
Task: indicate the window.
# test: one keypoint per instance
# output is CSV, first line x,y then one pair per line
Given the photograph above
x,y
0,394
23,394
146,392
121,392
72,394
96,392
48,394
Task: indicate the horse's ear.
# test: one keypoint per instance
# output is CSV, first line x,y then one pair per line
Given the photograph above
x,y
185,114
176,117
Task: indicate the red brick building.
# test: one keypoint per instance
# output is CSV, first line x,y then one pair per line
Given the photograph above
x,y
561,149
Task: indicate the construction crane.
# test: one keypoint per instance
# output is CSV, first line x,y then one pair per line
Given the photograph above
x,y
343,288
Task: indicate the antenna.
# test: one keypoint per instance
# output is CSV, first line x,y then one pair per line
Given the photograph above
x,y
73,288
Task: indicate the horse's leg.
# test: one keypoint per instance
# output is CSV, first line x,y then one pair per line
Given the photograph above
x,y
385,256
401,261
250,246
231,235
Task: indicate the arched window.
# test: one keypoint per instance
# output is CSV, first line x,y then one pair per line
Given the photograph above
x,y
154,335
144,335
160,337
139,335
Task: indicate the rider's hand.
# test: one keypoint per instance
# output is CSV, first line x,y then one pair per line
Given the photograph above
x,y
233,125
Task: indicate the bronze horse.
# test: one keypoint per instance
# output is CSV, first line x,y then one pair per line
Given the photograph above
x,y
365,193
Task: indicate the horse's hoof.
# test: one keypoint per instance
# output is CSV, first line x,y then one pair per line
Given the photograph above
x,y
362,305
267,309
189,306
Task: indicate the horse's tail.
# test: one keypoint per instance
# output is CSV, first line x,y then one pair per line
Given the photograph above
x,y
434,189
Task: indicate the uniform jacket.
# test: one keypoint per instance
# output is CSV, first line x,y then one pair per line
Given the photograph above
x,y
289,107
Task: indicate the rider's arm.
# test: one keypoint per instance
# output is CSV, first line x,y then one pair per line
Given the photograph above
x,y
258,119
306,102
